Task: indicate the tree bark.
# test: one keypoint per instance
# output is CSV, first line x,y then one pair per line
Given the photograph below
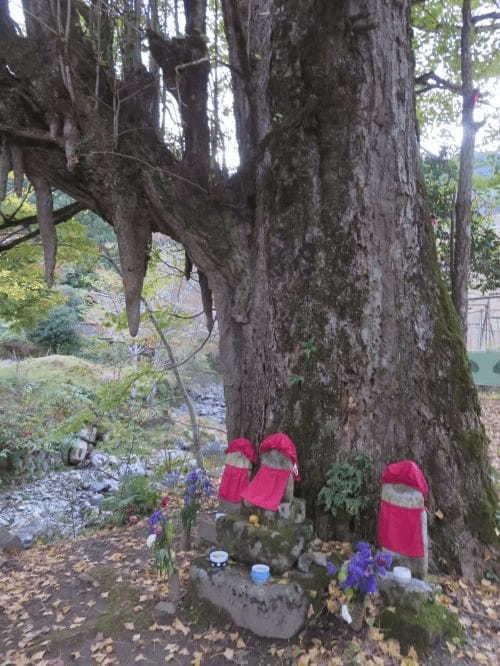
x,y
334,323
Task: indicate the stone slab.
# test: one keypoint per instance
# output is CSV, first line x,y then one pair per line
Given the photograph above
x,y
278,547
270,609
411,595
292,512
205,525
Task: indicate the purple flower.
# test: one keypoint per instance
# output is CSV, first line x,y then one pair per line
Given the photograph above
x,y
332,570
155,517
363,547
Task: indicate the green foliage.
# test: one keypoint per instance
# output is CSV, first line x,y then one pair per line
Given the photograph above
x,y
345,485
441,179
135,496
33,405
57,332
436,43
24,296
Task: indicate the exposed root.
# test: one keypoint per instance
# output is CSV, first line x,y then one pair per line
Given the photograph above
x,y
44,208
18,168
134,242
5,166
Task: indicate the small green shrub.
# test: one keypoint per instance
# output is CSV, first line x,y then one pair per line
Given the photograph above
x,y
135,496
344,489
58,331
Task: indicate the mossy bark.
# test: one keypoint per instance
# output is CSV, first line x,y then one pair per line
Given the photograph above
x,y
349,341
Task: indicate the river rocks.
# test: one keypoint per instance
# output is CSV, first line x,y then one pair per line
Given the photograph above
x,y
272,610
9,541
63,502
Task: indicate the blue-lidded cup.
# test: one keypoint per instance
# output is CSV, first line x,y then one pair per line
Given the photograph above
x,y
259,573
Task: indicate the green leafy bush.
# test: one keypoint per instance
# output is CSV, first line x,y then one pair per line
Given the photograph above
x,y
345,487
58,331
135,496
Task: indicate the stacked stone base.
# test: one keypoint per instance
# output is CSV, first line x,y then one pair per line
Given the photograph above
x,y
272,610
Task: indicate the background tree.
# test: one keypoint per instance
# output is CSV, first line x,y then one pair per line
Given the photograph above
x,y
452,27
334,323
441,179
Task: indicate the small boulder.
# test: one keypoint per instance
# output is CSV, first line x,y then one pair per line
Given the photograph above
x,y
164,609
9,541
411,595
78,452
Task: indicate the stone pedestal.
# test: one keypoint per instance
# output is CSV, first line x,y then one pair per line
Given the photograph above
x,y
270,610
409,498
278,547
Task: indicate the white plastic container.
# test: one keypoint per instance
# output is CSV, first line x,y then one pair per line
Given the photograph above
x,y
218,558
402,575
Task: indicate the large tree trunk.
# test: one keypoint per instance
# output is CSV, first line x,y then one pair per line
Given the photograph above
x,y
334,324
345,264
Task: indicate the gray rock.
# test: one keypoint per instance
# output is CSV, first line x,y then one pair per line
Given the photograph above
x,y
100,486
96,500
78,452
306,560
9,541
270,610
411,595
164,608
206,527
98,459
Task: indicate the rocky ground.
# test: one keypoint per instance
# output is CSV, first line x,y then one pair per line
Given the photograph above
x,y
64,502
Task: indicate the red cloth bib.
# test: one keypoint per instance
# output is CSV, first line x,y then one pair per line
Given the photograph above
x,y
400,529
233,483
267,487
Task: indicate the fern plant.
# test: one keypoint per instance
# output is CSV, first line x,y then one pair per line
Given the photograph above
x,y
135,496
345,486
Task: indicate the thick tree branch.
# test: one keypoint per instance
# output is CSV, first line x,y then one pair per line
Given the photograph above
x,y
22,239
431,80
60,215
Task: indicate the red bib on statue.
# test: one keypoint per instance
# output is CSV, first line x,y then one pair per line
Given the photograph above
x,y
233,483
400,529
267,487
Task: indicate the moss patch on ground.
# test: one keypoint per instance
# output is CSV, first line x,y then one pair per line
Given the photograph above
x,y
421,630
118,610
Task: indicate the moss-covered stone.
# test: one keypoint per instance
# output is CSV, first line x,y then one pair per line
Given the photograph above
x,y
421,630
278,547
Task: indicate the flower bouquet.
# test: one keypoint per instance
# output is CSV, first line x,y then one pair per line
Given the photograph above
x,y
355,580
198,486
160,539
